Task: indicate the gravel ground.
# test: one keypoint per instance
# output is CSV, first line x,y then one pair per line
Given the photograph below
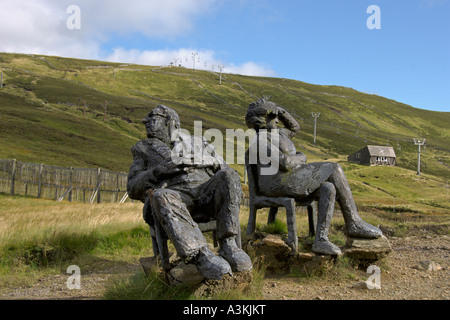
x,y
401,278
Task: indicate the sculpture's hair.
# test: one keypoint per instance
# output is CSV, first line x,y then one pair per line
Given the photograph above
x,y
258,111
172,118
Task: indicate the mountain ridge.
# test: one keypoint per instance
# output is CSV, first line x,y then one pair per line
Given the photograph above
x,y
47,94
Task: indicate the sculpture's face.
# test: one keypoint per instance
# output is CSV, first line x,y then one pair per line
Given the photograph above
x,y
156,126
271,122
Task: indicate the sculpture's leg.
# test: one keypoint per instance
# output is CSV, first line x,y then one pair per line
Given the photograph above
x,y
191,246
226,193
326,195
292,240
356,227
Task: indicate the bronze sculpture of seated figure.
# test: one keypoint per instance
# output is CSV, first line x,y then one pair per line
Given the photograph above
x,y
295,178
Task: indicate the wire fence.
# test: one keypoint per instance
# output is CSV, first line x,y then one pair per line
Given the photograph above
x,y
62,183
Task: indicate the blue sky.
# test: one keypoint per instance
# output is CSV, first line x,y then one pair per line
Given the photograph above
x,y
321,41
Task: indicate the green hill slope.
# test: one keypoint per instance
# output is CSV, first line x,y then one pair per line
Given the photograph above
x,y
53,111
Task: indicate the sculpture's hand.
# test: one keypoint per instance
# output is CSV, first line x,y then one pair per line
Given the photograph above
x,y
168,168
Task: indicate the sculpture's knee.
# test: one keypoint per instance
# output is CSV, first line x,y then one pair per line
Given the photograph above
x,y
338,169
230,178
328,190
162,198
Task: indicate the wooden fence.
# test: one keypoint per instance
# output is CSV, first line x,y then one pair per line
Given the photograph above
x,y
59,183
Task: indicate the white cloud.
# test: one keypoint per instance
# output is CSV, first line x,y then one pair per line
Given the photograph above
x,y
39,27
204,60
252,69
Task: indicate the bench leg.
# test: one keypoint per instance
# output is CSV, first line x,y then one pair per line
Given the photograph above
x,y
312,219
162,246
251,221
272,215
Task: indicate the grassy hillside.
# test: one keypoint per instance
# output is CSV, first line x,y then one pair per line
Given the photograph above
x,y
44,119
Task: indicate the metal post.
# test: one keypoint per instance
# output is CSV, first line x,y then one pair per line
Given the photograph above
x,y
419,142
193,59
221,68
315,116
418,161
1,81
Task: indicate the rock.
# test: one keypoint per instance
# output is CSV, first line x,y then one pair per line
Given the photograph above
x,y
367,249
274,241
427,265
278,257
184,274
360,285
188,275
273,251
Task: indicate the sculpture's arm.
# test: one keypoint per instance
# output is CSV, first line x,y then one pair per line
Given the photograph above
x,y
139,179
286,162
288,121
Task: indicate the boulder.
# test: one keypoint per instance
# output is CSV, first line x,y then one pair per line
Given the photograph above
x,y
184,274
278,257
272,250
427,265
367,249
188,275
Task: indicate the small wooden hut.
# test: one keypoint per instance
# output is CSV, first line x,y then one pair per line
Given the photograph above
x,y
374,156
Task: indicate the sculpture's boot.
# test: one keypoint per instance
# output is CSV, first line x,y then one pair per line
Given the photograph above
x,y
361,229
236,257
210,265
322,245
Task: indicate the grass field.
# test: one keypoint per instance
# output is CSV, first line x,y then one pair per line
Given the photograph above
x,y
43,237
46,96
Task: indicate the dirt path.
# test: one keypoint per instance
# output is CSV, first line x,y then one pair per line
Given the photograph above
x,y
399,279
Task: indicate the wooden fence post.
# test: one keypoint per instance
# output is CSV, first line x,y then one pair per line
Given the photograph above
x,y
41,168
70,184
13,175
117,190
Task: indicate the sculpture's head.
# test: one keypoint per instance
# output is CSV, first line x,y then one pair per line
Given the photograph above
x,y
262,114
161,122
